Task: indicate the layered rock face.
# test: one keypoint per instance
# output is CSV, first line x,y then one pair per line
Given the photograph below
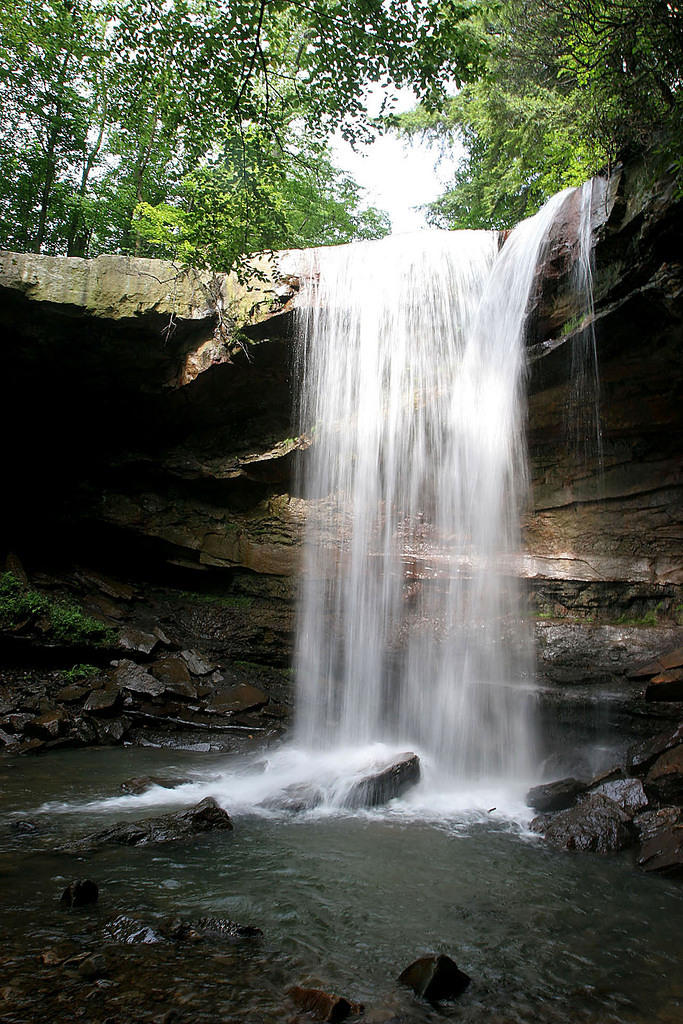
x,y
611,526
147,411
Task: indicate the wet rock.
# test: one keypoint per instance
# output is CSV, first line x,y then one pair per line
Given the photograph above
x,y
130,931
73,693
111,730
385,783
206,816
31,746
301,796
47,726
555,796
641,755
649,823
435,977
242,697
323,1005
131,677
92,967
136,640
671,660
80,893
595,825
25,828
196,663
174,673
207,928
6,739
222,928
141,783
83,731
663,852
664,780
103,701
628,794
667,686
18,721
112,588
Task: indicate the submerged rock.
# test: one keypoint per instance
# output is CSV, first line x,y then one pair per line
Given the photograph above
x,y
555,796
323,1005
140,784
80,893
210,928
435,977
386,782
92,967
206,816
597,824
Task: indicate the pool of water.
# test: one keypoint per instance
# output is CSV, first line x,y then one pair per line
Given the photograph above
x,y
345,901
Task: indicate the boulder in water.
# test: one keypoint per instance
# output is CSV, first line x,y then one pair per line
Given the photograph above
x,y
323,1005
385,782
435,977
301,796
206,816
626,793
80,893
209,928
597,824
555,796
141,783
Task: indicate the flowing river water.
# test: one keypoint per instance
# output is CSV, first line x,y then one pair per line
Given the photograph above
x,y
345,901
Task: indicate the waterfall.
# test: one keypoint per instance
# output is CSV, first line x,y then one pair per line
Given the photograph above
x,y
584,425
411,368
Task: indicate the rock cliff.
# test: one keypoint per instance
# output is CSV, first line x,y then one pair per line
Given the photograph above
x,y
147,415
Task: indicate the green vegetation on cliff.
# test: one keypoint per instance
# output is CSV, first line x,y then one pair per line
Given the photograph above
x,y
59,619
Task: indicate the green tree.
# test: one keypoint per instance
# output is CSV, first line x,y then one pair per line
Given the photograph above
x,y
570,86
254,198
117,107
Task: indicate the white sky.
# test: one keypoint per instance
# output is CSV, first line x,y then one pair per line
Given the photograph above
x,y
397,176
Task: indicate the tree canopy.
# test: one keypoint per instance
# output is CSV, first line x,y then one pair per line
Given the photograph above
x,y
199,127
569,87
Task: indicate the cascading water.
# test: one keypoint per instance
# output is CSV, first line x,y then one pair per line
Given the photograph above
x,y
583,414
411,367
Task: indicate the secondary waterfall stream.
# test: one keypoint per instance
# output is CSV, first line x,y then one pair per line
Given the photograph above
x,y
411,368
